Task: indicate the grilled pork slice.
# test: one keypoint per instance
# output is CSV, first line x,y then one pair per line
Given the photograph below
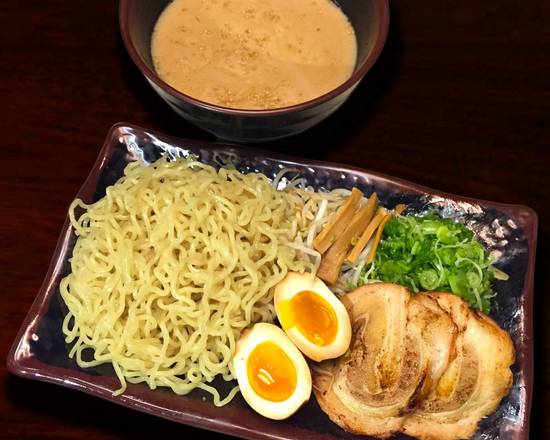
x,y
475,381
437,331
425,365
373,387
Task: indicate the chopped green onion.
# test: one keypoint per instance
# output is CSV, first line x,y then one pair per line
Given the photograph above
x,y
433,253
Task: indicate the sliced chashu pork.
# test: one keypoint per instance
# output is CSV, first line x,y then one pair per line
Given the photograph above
x,y
370,389
425,365
475,381
437,331
400,344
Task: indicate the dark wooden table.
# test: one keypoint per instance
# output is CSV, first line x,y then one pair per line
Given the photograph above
x,y
459,101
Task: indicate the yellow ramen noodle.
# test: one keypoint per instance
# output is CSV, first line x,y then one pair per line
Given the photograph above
x,y
172,264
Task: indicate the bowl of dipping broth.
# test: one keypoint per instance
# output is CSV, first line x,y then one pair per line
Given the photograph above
x,y
254,70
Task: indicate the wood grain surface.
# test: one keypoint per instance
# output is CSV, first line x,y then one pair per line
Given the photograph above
x,y
459,101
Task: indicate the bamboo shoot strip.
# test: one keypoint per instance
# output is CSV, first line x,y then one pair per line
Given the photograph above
x,y
337,224
360,245
333,259
397,210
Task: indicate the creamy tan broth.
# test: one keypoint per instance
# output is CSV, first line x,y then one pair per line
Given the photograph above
x,y
253,54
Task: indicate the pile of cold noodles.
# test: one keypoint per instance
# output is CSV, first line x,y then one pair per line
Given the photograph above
x,y
175,261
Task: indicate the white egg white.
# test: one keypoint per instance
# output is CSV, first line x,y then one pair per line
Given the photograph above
x,y
250,339
295,283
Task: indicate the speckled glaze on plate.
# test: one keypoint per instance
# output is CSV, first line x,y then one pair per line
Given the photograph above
x,y
509,231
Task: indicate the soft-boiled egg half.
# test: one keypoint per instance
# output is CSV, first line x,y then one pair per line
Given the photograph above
x,y
312,316
273,375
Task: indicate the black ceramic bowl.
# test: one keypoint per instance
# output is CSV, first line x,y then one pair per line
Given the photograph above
x,y
370,19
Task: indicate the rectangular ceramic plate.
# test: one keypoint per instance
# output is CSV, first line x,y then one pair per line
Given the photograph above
x,y
509,231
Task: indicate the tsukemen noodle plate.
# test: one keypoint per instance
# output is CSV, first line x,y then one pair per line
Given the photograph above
x,y
508,231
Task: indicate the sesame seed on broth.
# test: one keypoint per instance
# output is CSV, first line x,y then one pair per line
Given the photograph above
x,y
253,54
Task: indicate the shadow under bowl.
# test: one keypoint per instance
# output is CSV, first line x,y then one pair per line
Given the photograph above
x,y
369,18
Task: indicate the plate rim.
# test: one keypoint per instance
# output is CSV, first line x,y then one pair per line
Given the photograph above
x,y
24,368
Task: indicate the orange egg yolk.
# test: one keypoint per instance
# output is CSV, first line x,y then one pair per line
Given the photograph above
x,y
312,315
271,373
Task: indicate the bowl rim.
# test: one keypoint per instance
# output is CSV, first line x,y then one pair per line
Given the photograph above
x,y
381,7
